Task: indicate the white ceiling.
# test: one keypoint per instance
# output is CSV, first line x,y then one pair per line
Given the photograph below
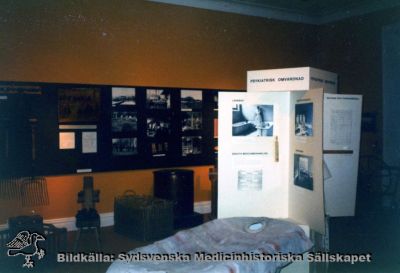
x,y
304,11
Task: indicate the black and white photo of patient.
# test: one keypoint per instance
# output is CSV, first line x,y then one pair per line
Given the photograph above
x,y
252,120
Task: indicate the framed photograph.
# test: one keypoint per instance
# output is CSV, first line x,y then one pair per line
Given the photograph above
x,y
215,101
191,121
89,142
66,140
158,99
303,171
124,146
158,127
304,119
124,121
78,104
191,100
123,96
191,145
159,148
252,120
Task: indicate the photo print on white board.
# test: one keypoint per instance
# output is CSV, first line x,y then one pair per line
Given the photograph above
x,y
304,119
252,120
303,171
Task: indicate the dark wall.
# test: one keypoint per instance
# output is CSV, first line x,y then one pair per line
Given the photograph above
x,y
353,49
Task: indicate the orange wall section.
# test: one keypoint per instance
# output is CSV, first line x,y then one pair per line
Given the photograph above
x,y
142,43
137,43
63,191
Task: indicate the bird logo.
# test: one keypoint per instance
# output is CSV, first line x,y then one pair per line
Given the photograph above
x,y
26,244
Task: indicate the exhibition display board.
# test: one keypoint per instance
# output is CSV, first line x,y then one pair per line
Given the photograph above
x,y
287,150
342,126
265,167
55,128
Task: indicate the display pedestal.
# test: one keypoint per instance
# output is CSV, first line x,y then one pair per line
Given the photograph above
x,y
213,175
177,186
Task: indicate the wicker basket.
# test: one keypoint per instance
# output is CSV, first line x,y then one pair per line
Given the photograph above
x,y
143,217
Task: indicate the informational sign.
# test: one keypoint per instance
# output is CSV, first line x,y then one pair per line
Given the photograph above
x,y
252,180
263,170
291,79
89,142
342,128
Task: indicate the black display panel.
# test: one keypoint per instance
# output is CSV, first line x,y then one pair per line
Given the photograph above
x,y
53,129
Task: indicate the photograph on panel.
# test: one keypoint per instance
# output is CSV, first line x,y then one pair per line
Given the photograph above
x,y
158,126
191,121
158,99
250,179
123,96
89,142
215,101
124,121
304,119
191,145
78,104
303,176
191,100
159,148
66,140
252,120
124,146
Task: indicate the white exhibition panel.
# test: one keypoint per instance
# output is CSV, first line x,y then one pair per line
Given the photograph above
x,y
323,79
293,79
342,128
250,181
306,186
